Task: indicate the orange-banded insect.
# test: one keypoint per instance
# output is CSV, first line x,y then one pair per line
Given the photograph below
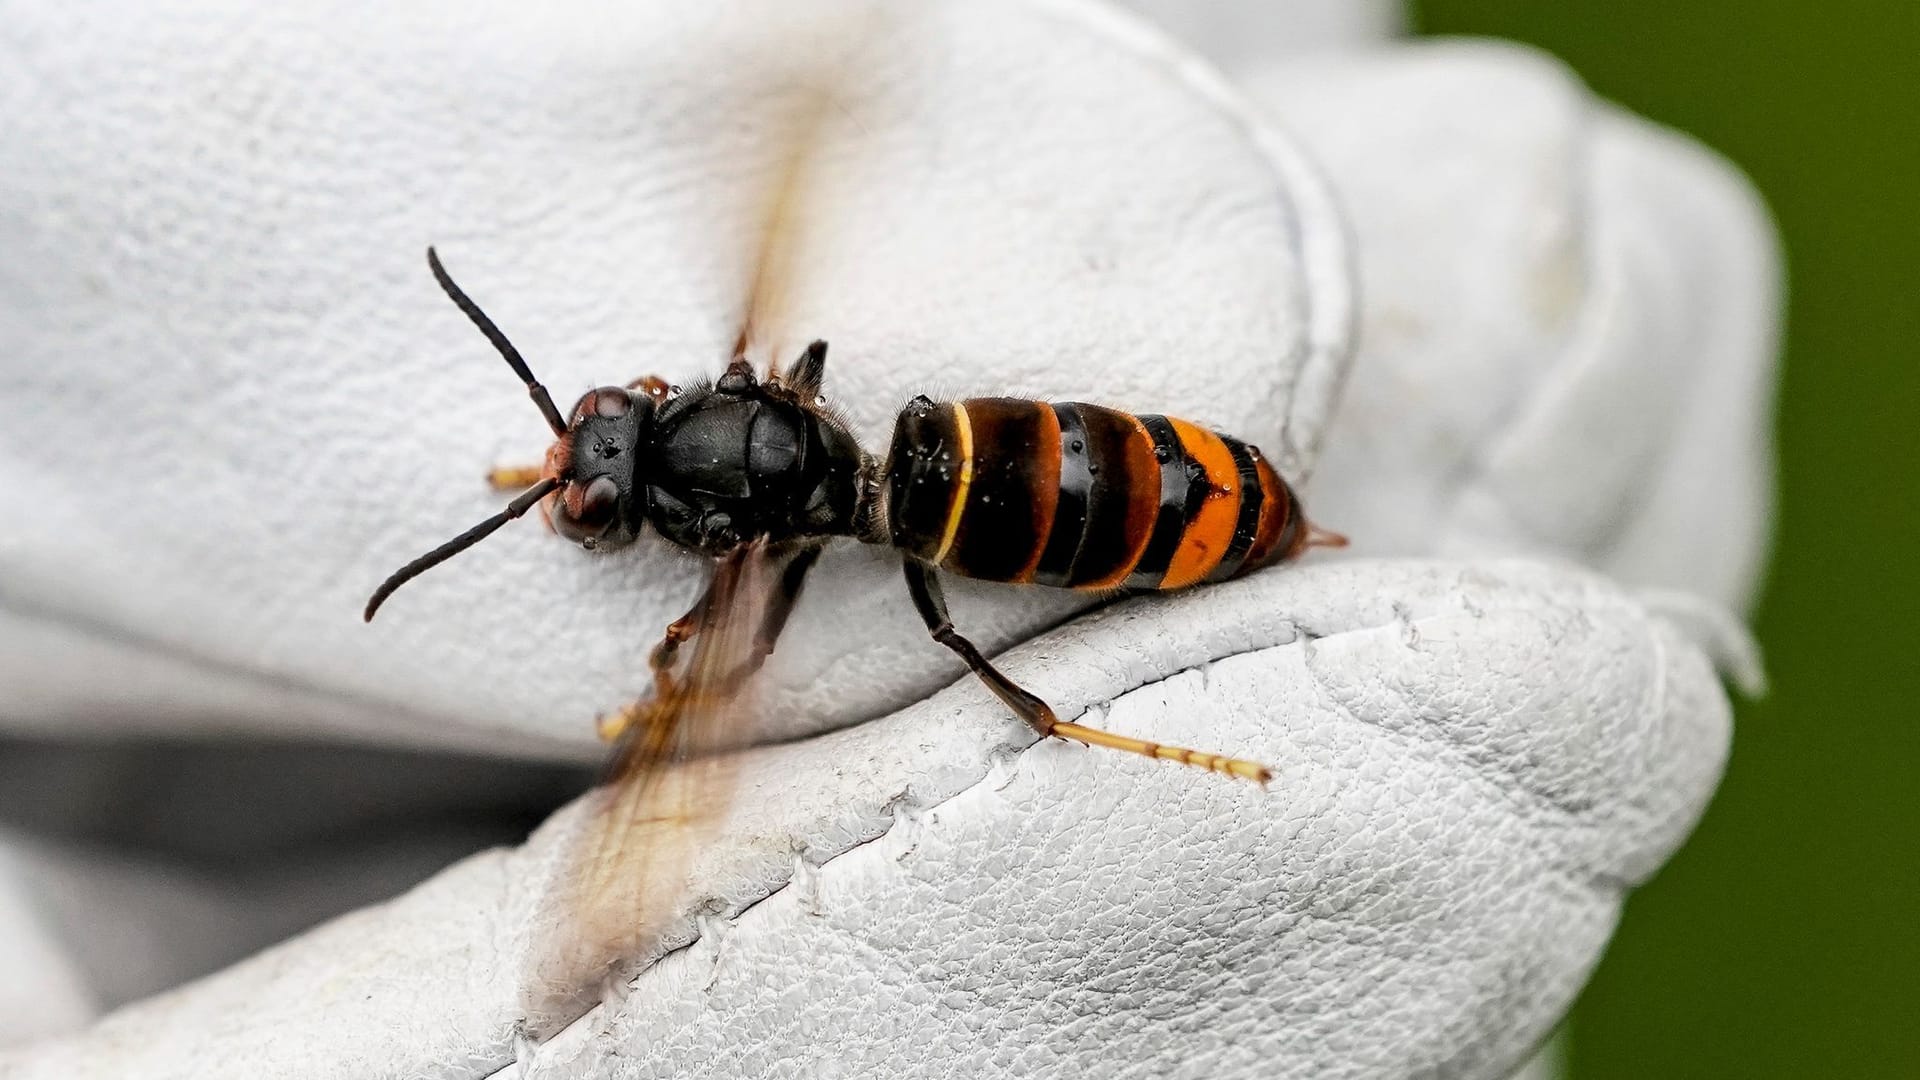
x,y
1079,496
1084,497
755,472
1002,489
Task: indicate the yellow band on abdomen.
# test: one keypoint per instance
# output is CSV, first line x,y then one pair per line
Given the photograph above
x,y
963,429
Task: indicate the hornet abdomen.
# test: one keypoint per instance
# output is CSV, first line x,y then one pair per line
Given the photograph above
x,y
1082,497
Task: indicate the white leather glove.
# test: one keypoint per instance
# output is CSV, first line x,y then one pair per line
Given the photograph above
x,y
234,401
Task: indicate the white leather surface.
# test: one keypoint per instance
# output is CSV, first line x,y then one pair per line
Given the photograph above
x,y
1239,35
1016,198
1569,323
1471,765
1475,760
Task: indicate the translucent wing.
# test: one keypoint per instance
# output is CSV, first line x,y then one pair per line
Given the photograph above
x,y
621,886
770,293
623,879
820,98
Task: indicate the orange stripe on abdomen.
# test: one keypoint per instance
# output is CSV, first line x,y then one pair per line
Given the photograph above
x,y
1276,510
1209,530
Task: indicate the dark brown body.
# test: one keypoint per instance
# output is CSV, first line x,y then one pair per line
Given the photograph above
x,y
1082,497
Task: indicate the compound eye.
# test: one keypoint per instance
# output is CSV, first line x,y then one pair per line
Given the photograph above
x,y
585,512
610,403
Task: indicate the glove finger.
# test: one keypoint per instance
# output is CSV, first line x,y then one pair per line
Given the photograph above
x,y
1244,37
1569,326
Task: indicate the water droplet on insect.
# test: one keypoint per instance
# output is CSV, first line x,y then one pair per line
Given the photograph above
x,y
820,399
673,389
1077,446
1163,453
1092,468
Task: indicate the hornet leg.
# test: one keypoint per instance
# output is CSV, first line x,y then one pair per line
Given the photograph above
x,y
793,579
653,386
514,477
933,610
660,662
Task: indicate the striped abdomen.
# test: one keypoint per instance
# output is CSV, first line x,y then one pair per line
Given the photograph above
x,y
1081,496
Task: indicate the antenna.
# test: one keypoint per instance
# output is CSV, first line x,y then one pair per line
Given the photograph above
x,y
534,390
520,505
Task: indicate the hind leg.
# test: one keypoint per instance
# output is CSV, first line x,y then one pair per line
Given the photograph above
x,y
933,611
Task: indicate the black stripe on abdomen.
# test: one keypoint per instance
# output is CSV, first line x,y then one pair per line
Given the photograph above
x,y
1179,498
1123,499
1247,527
923,469
1076,485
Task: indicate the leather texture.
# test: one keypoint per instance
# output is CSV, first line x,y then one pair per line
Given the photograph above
x,y
1012,198
1570,322
1476,757
1471,765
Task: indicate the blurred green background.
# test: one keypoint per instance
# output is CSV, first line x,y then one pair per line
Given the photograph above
x,y
1784,940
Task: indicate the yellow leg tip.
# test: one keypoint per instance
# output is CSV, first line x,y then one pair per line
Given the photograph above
x,y
610,728
1249,770
1226,766
513,478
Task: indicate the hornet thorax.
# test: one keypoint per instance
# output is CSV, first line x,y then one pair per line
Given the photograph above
x,y
742,459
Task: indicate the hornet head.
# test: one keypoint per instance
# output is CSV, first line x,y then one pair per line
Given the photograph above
x,y
591,476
